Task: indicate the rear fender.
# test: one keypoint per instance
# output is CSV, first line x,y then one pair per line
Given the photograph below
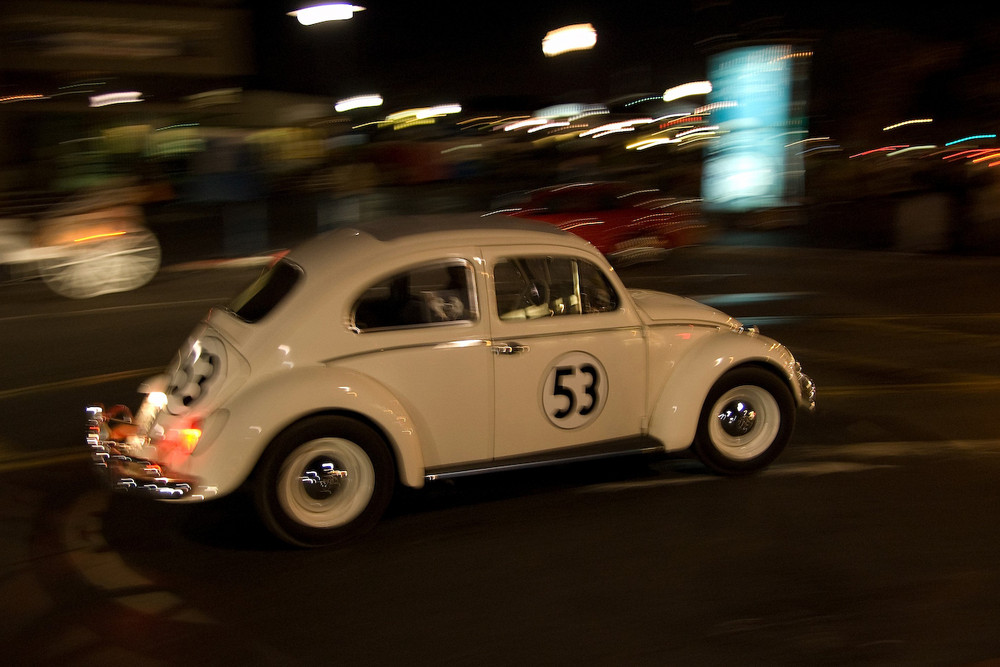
x,y
262,410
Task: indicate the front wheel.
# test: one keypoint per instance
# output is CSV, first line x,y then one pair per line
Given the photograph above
x,y
323,481
745,423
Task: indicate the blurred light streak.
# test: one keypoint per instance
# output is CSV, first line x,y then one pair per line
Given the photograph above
x,y
570,110
971,138
549,125
420,115
215,97
817,149
358,102
22,98
176,126
94,237
966,153
684,118
528,122
907,122
649,143
482,120
992,155
588,114
709,108
884,149
687,90
710,129
901,151
619,126
807,141
641,100
115,98
577,37
461,148
337,11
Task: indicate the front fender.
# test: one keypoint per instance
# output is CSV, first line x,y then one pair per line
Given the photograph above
x,y
258,412
675,413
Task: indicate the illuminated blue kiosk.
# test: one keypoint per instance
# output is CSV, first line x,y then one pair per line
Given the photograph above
x,y
757,101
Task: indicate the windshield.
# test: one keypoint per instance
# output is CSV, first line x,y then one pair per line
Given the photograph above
x,y
261,296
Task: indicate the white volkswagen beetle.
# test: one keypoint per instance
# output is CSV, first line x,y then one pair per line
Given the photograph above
x,y
423,349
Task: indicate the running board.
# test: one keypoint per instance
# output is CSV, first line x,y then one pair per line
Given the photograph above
x,y
619,448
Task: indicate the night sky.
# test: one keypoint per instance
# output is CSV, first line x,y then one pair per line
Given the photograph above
x,y
427,53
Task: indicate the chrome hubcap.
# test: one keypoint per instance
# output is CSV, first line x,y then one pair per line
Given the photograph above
x,y
744,422
326,482
322,478
737,418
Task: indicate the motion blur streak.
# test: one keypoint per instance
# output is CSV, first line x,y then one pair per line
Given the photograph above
x,y
578,37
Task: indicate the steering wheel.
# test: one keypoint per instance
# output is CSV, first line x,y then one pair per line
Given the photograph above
x,y
535,293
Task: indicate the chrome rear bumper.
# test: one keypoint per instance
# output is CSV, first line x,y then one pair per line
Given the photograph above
x,y
123,465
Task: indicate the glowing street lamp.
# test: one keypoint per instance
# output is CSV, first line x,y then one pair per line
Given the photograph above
x,y
331,11
578,37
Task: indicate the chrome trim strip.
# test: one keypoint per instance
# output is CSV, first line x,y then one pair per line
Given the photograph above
x,y
505,465
451,344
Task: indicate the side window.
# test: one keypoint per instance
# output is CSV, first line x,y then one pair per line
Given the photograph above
x,y
431,294
532,287
596,293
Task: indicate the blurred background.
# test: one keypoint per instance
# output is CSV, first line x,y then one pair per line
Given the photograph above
x,y
868,126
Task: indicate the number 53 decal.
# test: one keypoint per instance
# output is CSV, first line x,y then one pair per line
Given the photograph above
x,y
574,390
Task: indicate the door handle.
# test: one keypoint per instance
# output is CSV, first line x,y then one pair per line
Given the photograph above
x,y
509,348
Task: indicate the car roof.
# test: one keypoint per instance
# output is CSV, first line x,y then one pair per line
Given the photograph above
x,y
461,224
374,240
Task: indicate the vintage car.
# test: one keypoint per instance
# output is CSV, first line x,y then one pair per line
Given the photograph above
x,y
626,222
422,349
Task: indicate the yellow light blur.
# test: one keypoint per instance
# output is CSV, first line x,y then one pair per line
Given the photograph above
x,y
97,236
577,37
189,438
908,122
420,115
337,11
649,143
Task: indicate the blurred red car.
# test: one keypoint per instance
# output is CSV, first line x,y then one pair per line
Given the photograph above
x,y
625,222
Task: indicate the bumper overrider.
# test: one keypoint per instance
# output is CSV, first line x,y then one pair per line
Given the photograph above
x,y
807,389
123,457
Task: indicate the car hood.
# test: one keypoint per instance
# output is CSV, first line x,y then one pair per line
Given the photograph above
x,y
662,308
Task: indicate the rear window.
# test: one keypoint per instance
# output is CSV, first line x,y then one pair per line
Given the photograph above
x,y
260,298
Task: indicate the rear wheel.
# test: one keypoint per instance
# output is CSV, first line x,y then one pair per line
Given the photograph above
x,y
323,481
745,423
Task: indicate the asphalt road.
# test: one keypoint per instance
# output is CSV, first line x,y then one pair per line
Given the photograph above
x,y
871,541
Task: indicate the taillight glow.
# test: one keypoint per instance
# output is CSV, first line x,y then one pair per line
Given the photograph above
x,y
189,438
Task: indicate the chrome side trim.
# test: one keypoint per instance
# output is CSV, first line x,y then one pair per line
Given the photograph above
x,y
451,344
641,446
